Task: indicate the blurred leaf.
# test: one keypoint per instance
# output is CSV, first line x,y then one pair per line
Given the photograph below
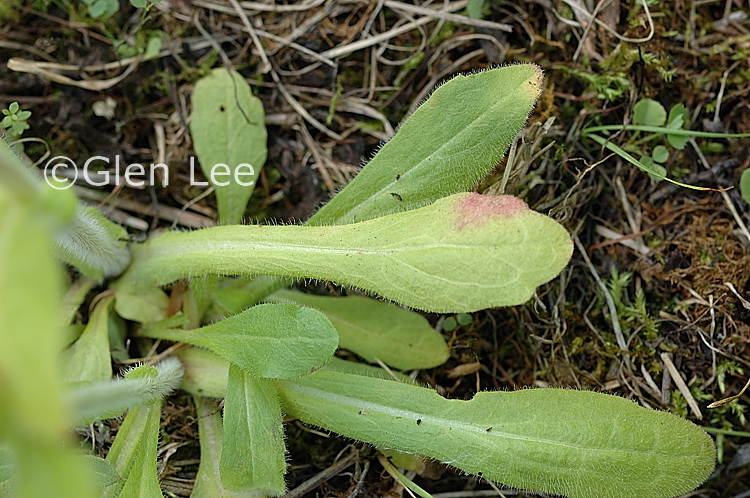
x,y
660,154
474,8
88,359
106,479
678,119
34,418
93,244
143,305
375,329
111,398
133,453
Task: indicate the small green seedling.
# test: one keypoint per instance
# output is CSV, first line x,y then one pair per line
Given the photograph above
x,y
15,121
405,229
649,116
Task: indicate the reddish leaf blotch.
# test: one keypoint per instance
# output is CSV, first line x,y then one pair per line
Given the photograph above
x,y
475,209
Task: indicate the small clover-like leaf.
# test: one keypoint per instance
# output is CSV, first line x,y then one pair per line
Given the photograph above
x,y
660,154
649,112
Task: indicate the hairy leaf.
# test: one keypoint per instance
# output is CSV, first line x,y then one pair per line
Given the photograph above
x,y
576,443
208,481
270,340
252,457
207,374
480,251
447,145
111,398
133,453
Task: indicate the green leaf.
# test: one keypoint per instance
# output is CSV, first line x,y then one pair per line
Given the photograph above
x,y
109,399
447,145
13,107
208,481
660,154
474,8
206,374
677,119
377,330
480,251
745,185
143,305
655,171
649,112
480,113
269,340
133,453
88,359
103,9
252,456
351,367
577,443
229,137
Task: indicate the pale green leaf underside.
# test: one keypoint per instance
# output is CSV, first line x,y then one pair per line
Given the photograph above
x,y
463,253
269,340
133,454
208,481
88,359
446,146
576,443
228,127
376,330
252,458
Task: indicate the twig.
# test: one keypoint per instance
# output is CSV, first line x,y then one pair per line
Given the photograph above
x,y
323,476
680,383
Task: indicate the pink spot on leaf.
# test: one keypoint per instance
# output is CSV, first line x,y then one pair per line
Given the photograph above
x,y
475,209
